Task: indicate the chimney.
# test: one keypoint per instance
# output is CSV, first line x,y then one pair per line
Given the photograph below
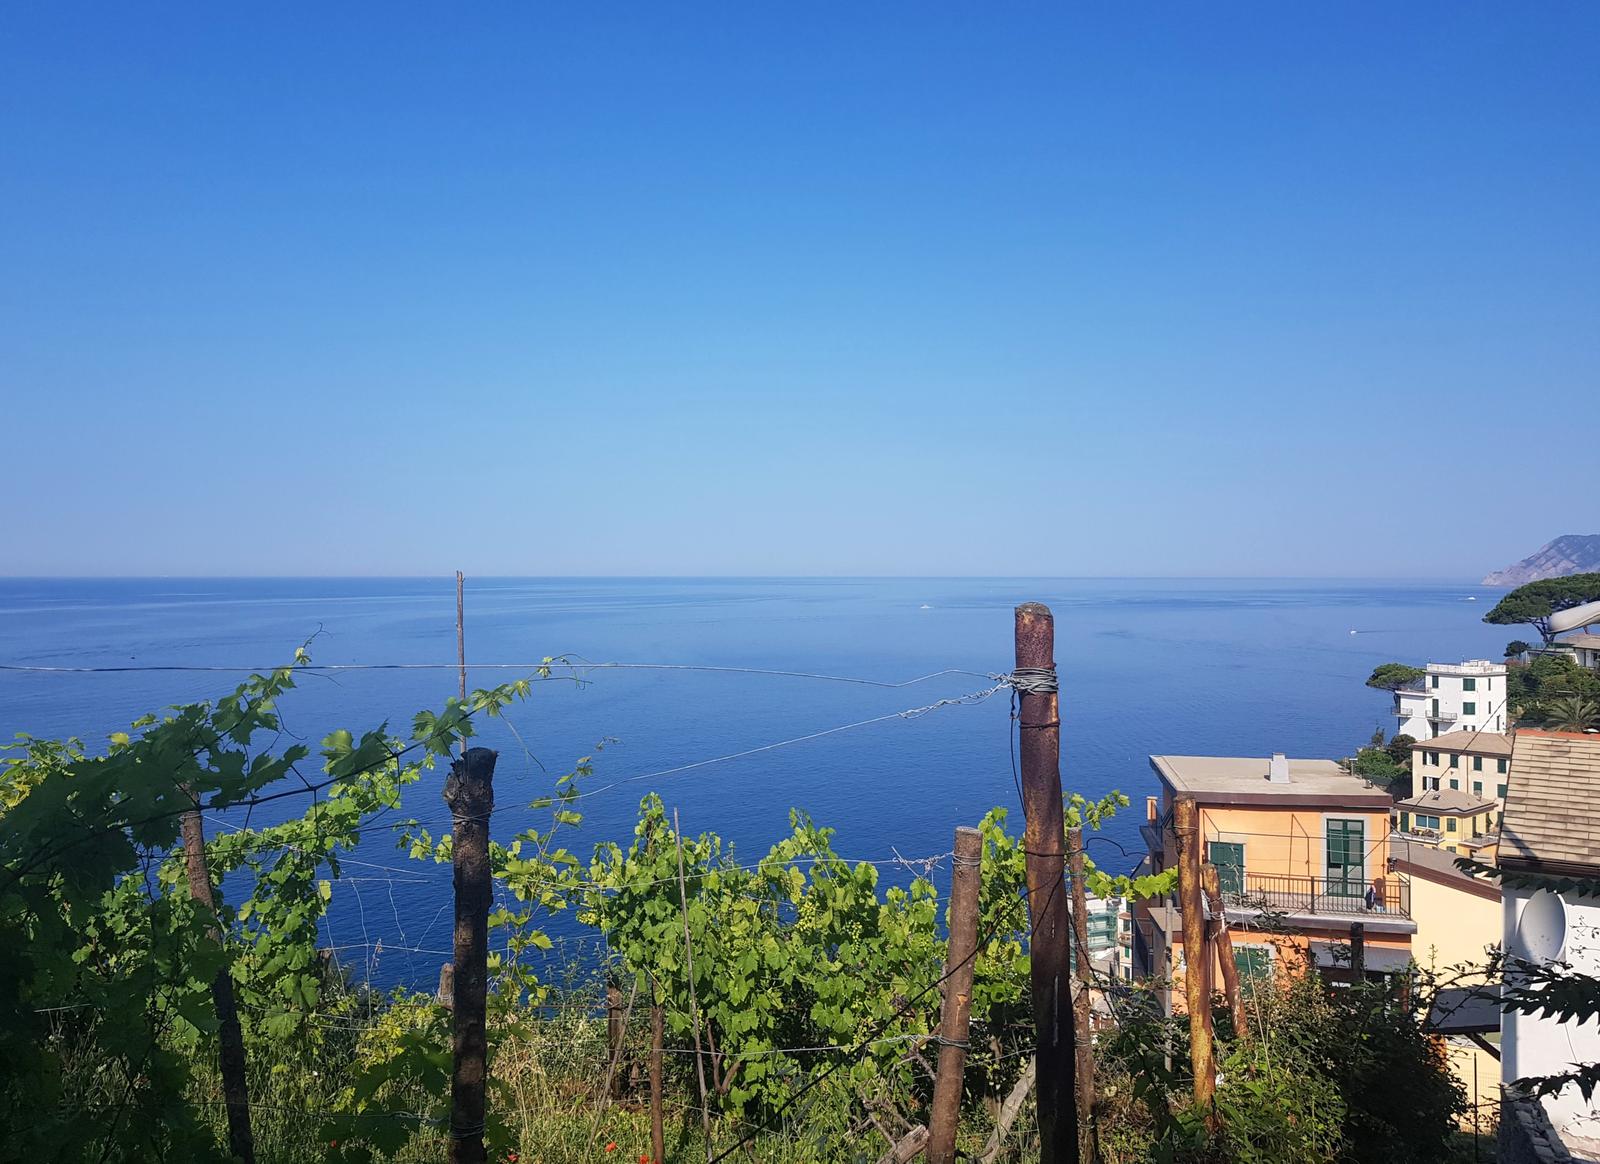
x,y
1278,769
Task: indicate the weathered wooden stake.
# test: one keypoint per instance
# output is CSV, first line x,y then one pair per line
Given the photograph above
x,y
694,1006
1080,994
1222,942
235,1087
1039,731
469,792
616,1031
461,631
658,1135
445,996
956,1011
1358,953
1196,953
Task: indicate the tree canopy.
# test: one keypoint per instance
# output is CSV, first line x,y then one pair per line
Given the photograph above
x,y
1393,676
1537,601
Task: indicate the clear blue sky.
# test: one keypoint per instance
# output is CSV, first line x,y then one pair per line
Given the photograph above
x,y
798,288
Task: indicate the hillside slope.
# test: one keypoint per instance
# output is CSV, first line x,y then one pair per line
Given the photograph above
x,y
1568,554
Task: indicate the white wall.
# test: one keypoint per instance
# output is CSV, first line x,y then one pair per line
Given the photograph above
x,y
1536,1045
1447,683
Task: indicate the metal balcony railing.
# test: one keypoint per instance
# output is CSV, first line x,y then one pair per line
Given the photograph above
x,y
1294,893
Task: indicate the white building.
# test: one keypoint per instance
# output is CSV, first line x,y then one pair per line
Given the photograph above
x,y
1453,697
1549,830
1585,649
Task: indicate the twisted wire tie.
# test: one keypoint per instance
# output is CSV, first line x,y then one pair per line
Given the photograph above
x,y
1034,680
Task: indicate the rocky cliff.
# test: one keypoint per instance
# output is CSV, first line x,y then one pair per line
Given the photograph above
x,y
1568,554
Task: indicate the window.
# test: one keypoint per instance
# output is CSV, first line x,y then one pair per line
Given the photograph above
x,y
1433,759
1456,784
1477,763
1450,824
1427,822
1254,962
1500,791
1346,858
1477,788
1405,822
1455,759
1500,766
1475,830
1469,708
1469,685
1435,709
1228,857
1435,685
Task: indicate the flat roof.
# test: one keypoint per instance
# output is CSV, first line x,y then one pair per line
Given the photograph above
x,y
1472,743
1243,780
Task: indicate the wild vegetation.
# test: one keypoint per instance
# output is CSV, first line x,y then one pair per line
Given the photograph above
x,y
811,983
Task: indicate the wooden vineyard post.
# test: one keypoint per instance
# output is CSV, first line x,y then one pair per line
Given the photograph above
x,y
1039,745
1358,953
1196,954
1222,941
694,1005
235,1087
469,792
658,1135
1080,994
965,879
616,1032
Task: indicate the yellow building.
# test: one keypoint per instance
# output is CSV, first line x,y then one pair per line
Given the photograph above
x,y
1459,918
1475,762
1449,818
1300,846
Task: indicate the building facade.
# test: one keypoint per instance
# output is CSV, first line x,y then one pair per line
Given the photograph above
x,y
1550,833
1448,818
1468,696
1301,849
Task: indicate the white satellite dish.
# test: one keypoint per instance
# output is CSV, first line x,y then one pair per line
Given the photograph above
x,y
1571,619
1541,928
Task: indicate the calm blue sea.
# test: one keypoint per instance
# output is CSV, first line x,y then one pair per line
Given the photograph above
x,y
1232,667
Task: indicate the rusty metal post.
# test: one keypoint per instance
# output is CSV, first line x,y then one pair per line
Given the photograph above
x,y
956,1011
1039,732
658,1135
1196,954
1081,1002
235,1086
469,792
1222,942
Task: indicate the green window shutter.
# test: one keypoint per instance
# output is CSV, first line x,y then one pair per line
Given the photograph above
x,y
1456,784
1500,767
1477,763
1469,709
1477,788
1450,824
1254,962
1469,685
1228,857
1405,822
1500,791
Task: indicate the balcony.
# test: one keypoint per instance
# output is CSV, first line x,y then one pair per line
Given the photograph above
x,y
1443,715
1297,894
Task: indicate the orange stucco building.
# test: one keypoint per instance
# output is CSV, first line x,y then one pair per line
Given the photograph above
x,y
1302,852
